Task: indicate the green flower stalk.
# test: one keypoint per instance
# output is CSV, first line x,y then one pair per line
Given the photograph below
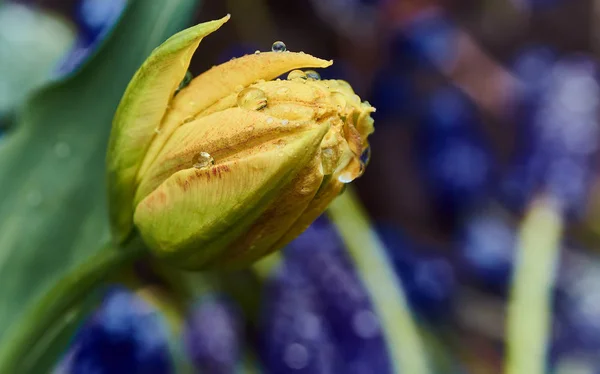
x,y
236,164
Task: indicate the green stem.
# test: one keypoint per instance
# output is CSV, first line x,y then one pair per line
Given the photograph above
x,y
55,304
528,315
405,345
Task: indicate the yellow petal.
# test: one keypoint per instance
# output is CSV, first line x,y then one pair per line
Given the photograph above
x,y
276,221
223,135
323,198
221,81
196,213
143,106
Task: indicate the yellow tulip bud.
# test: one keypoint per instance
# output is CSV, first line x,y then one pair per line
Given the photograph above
x,y
236,164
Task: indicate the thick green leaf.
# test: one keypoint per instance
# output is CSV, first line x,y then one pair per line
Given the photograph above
x,y
57,339
53,205
144,104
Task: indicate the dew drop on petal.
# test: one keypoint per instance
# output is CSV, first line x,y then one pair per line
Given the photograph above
x,y
278,46
203,160
328,160
311,74
339,99
270,120
365,157
296,74
345,177
285,122
257,52
252,98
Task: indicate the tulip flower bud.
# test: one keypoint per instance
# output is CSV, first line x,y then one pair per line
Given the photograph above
x,y
236,164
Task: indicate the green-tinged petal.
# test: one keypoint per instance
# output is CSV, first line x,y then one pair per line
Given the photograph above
x,y
278,219
328,192
192,216
218,83
141,110
225,134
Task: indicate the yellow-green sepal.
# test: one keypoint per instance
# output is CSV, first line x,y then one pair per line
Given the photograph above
x,y
194,215
140,112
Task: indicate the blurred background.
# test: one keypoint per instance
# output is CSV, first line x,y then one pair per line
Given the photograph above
x,y
482,107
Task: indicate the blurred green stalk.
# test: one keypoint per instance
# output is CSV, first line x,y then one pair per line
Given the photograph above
x,y
56,304
529,308
368,254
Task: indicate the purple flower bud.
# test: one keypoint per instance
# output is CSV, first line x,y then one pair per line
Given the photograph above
x,y
125,335
347,309
295,335
213,336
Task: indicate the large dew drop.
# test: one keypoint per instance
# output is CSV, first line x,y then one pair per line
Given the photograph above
x,y
296,74
311,74
365,157
252,98
203,160
278,46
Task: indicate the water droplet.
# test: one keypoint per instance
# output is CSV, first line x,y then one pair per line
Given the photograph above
x,y
328,160
345,177
340,100
185,81
365,324
365,157
296,356
62,150
311,74
257,52
203,160
285,122
296,74
157,130
270,120
252,98
34,198
278,46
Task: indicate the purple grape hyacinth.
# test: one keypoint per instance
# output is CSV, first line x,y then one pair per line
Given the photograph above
x,y
125,335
